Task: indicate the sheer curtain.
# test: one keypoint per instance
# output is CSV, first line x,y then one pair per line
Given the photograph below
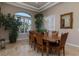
x,y
50,24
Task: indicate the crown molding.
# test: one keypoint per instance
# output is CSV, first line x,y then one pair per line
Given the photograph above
x,y
30,7
21,5
48,6
44,5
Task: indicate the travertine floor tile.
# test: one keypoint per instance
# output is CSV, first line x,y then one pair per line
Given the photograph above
x,y
22,48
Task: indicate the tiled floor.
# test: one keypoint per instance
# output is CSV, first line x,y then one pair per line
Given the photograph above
x,y
22,48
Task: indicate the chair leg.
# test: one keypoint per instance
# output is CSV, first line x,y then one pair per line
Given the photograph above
x,y
53,51
42,51
63,51
37,48
47,52
31,45
34,46
58,53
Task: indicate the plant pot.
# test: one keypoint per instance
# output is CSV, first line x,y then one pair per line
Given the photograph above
x,y
13,37
12,41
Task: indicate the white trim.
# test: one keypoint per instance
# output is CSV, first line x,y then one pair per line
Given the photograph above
x,y
45,5
30,7
74,45
22,39
27,5
21,6
53,4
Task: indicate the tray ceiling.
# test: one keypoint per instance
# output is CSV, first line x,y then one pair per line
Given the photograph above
x,y
34,6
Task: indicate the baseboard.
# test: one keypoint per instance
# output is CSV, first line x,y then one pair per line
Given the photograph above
x,y
74,45
22,38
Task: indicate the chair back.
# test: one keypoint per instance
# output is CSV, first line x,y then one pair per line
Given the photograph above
x,y
32,35
44,35
54,35
39,38
63,39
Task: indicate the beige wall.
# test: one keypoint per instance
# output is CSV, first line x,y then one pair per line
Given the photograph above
x,y
57,10
5,8
61,8
12,9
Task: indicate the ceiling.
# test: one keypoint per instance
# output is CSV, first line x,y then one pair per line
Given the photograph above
x,y
34,6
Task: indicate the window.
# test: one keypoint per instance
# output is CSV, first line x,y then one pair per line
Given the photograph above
x,y
50,22
25,18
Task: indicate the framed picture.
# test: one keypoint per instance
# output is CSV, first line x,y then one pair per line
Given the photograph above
x,y
0,9
66,20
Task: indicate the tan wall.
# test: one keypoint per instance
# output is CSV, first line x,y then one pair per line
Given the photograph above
x,y
12,9
5,8
62,8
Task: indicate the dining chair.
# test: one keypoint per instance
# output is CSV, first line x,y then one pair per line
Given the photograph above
x,y
32,38
54,35
45,37
40,42
58,47
52,38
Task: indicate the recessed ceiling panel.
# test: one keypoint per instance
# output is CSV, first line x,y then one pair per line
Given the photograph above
x,y
36,4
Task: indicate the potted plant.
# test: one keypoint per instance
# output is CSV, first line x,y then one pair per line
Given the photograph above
x,y
14,25
39,21
11,24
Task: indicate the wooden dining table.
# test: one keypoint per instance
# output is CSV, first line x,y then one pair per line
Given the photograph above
x,y
48,40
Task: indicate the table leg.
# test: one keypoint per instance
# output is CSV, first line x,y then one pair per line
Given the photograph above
x,y
47,44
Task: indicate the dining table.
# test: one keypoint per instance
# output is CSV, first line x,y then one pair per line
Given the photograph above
x,y
48,39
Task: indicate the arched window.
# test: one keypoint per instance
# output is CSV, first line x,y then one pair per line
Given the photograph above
x,y
26,19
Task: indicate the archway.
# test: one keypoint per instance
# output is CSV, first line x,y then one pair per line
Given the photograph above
x,y
26,20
